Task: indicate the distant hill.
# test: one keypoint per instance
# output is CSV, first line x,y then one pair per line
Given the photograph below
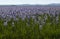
x,y
54,4
49,5
39,5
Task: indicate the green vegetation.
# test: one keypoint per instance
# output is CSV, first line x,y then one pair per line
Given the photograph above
x,y
31,28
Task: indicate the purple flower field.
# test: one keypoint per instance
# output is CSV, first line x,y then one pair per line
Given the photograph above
x,y
22,11
29,22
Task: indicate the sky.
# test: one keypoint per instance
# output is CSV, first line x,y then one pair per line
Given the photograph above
x,y
16,2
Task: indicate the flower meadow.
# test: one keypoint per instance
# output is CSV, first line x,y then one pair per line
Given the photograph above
x,y
43,26
29,22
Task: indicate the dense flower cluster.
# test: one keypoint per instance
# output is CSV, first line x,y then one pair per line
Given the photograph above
x,y
8,12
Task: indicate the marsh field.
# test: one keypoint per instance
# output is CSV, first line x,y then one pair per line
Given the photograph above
x,y
29,22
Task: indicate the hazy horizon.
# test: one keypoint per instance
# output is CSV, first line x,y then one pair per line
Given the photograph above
x,y
33,2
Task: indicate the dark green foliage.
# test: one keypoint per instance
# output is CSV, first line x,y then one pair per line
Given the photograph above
x,y
30,28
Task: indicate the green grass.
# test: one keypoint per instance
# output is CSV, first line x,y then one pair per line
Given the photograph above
x,y
30,29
